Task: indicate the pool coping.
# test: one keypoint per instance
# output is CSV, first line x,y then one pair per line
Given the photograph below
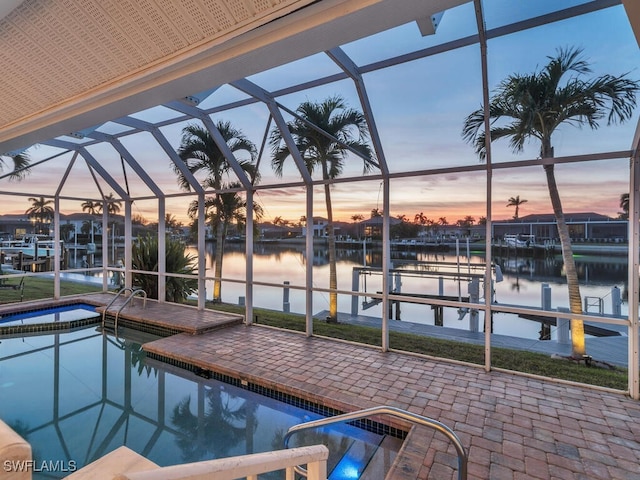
x,y
148,319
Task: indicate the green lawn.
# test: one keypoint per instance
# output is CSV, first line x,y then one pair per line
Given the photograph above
x,y
37,288
516,360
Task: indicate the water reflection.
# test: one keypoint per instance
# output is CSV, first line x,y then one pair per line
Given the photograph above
x,y
79,395
420,273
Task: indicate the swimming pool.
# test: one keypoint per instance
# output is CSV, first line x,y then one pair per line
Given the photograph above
x,y
57,314
77,395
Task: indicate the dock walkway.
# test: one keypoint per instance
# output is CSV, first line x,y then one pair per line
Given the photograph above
x,y
612,350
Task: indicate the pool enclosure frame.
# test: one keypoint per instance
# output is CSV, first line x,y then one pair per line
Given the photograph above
x,y
188,110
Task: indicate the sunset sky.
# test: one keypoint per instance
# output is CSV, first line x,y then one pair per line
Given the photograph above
x,y
420,107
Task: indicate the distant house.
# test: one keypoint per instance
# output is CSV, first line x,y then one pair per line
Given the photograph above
x,y
14,226
583,227
269,231
372,227
319,227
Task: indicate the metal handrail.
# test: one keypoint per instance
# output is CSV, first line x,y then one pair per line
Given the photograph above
x,y
393,411
129,299
113,300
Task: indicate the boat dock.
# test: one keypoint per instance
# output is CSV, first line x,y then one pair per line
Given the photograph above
x,y
609,349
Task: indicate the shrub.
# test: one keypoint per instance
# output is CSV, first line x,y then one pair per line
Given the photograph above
x,y
145,257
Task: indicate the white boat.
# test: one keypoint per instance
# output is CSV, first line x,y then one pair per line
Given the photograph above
x,y
519,240
28,246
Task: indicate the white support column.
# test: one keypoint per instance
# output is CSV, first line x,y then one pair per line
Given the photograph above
x,y
488,294
105,247
309,264
127,244
162,251
634,281
386,263
249,262
57,256
202,258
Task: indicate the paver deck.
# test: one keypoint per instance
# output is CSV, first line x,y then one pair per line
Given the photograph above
x,y
166,315
514,427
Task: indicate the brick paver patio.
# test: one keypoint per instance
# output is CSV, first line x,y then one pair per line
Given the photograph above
x,y
512,426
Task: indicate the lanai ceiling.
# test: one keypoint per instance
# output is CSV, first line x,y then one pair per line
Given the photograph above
x,y
71,64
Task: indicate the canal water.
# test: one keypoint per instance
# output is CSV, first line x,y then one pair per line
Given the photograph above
x,y
418,273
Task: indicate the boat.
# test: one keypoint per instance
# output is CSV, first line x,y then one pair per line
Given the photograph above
x,y
519,240
31,246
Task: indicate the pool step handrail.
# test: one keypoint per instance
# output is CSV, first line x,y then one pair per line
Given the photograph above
x,y
127,301
132,294
385,410
113,300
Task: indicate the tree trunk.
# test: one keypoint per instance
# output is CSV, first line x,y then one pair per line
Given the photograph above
x,y
575,300
333,276
217,282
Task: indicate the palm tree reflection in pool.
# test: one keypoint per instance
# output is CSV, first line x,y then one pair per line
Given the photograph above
x,y
218,427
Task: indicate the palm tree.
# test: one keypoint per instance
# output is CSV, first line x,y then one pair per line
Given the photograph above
x,y
516,202
41,211
170,221
222,211
420,218
200,152
91,207
357,218
20,165
113,206
66,230
624,205
534,105
346,129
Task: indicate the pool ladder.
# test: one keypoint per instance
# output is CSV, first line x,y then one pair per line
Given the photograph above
x,y
395,412
129,299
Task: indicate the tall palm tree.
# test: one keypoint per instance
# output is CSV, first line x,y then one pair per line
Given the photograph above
x,y
41,211
200,152
516,202
347,128
91,207
222,211
534,105
113,206
20,165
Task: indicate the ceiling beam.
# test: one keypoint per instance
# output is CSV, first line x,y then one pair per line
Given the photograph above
x,y
315,28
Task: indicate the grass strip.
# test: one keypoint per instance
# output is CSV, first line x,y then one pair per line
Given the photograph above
x,y
516,360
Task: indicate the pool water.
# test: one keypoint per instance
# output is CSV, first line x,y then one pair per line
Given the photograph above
x,y
76,396
64,313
